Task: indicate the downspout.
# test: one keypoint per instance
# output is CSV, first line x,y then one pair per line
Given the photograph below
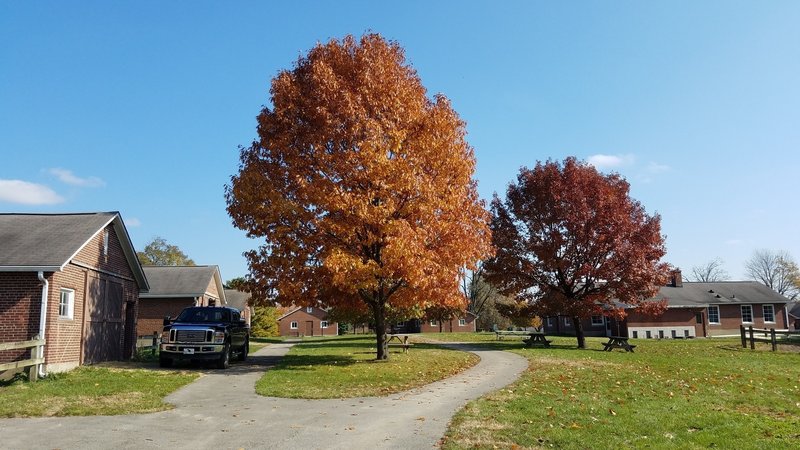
x,y
42,320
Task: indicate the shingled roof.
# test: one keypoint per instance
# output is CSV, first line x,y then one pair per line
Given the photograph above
x,y
697,294
48,242
237,298
181,281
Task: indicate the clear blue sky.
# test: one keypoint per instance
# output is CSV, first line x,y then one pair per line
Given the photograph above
x,y
140,106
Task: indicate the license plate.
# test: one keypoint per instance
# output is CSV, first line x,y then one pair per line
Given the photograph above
x,y
188,351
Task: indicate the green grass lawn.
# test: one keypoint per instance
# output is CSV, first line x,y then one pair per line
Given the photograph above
x,y
669,394
89,391
345,366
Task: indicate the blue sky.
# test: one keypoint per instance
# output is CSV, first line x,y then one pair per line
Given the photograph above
x,y
140,106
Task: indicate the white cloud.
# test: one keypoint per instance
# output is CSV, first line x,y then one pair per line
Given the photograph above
x,y
66,176
133,222
610,161
26,193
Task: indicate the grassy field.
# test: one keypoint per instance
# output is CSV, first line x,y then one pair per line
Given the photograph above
x,y
345,366
669,394
89,391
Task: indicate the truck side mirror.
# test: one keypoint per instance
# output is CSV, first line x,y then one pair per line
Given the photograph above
x,y
167,320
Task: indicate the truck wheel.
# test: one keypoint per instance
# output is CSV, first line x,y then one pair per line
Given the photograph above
x,y
245,350
164,361
225,358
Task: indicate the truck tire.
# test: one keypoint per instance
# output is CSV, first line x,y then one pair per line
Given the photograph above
x,y
225,358
245,350
164,361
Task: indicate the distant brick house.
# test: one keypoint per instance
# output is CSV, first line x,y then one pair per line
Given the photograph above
x,y
307,321
77,272
694,309
241,301
464,322
173,288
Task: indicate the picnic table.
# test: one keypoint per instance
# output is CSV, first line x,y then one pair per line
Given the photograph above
x,y
503,333
618,342
537,338
402,341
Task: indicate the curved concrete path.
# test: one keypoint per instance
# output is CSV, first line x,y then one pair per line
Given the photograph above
x,y
221,410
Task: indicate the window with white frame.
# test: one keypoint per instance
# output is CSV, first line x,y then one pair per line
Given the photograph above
x,y
324,324
66,304
713,315
434,323
310,309
769,313
549,321
462,322
747,314
293,325
597,320
567,322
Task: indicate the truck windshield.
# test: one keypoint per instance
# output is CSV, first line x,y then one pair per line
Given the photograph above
x,y
196,315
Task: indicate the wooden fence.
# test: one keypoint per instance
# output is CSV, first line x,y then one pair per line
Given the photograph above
x,y
32,364
770,335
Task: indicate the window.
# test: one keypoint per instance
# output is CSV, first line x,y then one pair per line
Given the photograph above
x,y
310,309
549,321
236,316
648,334
747,314
661,334
769,313
597,320
713,315
324,324
66,304
434,323
686,333
636,335
293,325
674,334
462,322
567,322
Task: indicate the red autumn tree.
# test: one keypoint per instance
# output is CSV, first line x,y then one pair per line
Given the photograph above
x,y
570,241
360,186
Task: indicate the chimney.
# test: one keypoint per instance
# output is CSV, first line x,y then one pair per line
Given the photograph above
x,y
677,278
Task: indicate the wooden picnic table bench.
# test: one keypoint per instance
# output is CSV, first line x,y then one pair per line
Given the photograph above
x,y
618,342
536,338
402,341
503,333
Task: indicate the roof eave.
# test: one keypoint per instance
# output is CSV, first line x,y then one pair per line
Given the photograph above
x,y
31,268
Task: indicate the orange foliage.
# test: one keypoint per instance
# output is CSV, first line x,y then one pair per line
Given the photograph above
x,y
360,185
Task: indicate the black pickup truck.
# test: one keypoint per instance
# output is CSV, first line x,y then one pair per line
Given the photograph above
x,y
205,333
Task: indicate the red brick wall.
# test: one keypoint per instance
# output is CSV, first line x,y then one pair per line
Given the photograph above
x,y
212,292
558,325
153,310
730,319
448,326
302,317
20,300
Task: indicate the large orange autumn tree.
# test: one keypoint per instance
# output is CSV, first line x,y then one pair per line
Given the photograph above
x,y
360,187
571,241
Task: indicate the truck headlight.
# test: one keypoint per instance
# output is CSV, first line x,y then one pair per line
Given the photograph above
x,y
165,336
219,337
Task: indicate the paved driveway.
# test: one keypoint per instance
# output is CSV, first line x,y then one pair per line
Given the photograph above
x,y
221,410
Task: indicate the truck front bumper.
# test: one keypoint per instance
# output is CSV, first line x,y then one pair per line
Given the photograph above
x,y
193,352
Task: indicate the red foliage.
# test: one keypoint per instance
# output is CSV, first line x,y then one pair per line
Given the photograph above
x,y
571,241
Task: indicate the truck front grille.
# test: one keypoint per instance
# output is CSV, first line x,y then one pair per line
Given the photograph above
x,y
193,336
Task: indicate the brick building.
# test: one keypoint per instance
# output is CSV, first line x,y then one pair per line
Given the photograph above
x,y
694,309
241,301
173,288
74,277
307,321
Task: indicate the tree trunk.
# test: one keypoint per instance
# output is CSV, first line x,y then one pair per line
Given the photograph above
x,y
579,332
379,313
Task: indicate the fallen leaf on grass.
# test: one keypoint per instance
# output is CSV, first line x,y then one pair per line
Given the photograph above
x,y
613,413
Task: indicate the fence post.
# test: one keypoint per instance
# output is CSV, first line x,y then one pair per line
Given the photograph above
x,y
774,341
752,338
33,371
155,342
744,336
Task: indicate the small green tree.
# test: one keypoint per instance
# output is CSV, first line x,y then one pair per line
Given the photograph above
x,y
161,253
264,322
